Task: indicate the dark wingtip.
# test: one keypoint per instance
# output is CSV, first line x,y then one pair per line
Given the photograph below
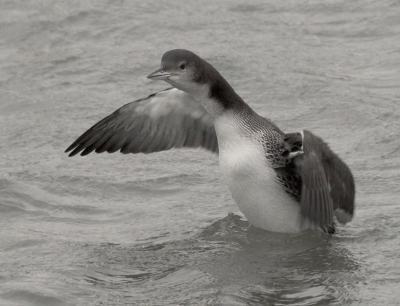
x,y
69,148
84,153
74,152
74,145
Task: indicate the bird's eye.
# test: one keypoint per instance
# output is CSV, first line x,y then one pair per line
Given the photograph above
x,y
182,66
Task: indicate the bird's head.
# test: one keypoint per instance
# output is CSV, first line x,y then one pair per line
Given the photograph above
x,y
184,70
190,73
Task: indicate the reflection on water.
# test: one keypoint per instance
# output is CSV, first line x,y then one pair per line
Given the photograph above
x,y
304,268
236,263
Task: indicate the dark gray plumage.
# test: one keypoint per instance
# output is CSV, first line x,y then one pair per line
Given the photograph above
x,y
327,185
168,119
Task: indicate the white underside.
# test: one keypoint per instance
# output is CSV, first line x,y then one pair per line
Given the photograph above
x,y
252,181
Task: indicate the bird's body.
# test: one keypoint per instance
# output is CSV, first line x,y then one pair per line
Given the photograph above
x,y
252,181
281,182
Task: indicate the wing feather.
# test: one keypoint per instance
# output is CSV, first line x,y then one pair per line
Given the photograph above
x,y
165,120
327,185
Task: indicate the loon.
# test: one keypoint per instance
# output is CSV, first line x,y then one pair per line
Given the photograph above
x,y
282,182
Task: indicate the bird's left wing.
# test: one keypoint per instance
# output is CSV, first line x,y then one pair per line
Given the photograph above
x,y
165,120
316,202
327,187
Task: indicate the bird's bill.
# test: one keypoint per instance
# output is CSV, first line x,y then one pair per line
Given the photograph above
x,y
159,74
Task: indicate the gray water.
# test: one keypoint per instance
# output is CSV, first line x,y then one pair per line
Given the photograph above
x,y
162,229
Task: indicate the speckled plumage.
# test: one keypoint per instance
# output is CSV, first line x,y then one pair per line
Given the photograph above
x,y
281,182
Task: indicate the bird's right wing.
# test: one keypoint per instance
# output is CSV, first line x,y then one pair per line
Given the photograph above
x,y
165,120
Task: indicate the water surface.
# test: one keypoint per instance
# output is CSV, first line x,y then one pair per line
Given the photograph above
x,y
162,229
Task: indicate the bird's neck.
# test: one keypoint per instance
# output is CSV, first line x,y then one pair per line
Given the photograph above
x,y
219,98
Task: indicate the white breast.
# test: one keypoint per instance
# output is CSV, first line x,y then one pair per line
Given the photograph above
x,y
252,181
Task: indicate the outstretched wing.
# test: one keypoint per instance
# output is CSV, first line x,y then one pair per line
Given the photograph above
x,y
165,120
327,185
